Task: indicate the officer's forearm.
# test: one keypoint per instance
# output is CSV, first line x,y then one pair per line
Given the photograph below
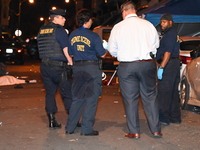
x,y
69,58
165,59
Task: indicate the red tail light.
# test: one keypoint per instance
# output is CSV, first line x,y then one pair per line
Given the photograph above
x,y
185,59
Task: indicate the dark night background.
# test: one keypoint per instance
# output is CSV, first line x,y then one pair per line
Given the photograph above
x,y
30,13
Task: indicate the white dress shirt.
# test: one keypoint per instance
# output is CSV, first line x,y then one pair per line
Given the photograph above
x,y
133,39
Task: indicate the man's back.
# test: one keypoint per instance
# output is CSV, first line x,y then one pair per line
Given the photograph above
x,y
135,38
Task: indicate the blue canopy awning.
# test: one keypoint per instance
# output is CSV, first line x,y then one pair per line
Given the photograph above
x,y
155,18
181,10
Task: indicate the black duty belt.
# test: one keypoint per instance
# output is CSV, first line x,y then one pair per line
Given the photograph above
x,y
85,61
174,58
54,62
143,60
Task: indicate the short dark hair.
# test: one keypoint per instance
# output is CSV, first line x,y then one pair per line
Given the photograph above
x,y
128,5
83,16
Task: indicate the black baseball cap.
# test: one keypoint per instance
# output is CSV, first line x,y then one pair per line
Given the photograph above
x,y
59,12
166,17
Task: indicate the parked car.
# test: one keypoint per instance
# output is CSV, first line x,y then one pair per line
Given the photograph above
x,y
187,44
32,48
11,52
190,81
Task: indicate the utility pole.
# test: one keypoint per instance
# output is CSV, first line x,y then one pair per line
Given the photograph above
x,y
95,5
4,20
5,12
19,14
79,4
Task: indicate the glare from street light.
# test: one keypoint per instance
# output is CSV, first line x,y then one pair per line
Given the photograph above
x,y
53,8
66,1
41,19
31,1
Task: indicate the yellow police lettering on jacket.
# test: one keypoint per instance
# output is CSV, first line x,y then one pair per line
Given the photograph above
x,y
80,47
80,39
45,31
85,40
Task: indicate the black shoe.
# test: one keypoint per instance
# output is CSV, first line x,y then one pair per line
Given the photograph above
x,y
55,126
176,122
93,133
164,123
69,132
53,123
78,124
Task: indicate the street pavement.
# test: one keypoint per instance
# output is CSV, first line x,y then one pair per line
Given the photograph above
x,y
24,124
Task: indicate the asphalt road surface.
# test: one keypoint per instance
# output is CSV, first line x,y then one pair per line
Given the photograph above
x,y
24,124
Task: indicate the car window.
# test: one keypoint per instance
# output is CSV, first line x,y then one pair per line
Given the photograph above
x,y
189,45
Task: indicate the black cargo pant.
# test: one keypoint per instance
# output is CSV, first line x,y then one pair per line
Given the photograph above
x,y
52,75
168,94
86,91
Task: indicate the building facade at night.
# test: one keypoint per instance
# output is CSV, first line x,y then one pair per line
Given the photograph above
x,y
26,17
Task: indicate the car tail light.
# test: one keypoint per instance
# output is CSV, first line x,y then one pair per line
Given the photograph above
x,y
19,51
185,59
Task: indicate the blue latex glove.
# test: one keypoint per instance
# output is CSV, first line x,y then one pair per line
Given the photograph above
x,y
160,73
105,44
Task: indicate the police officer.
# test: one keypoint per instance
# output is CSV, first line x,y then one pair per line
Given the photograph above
x,y
168,73
85,45
53,51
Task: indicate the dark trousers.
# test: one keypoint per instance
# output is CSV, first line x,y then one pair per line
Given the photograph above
x,y
86,91
52,78
139,78
168,94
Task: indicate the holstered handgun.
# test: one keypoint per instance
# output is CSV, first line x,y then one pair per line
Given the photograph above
x,y
67,73
152,55
100,61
